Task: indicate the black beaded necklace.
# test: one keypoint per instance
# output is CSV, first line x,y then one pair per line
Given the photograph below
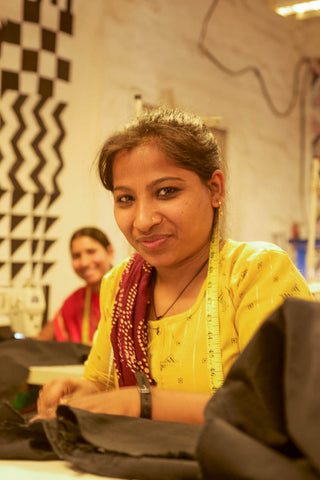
x,y
158,317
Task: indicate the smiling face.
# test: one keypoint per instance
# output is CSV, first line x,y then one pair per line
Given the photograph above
x,y
166,212
90,260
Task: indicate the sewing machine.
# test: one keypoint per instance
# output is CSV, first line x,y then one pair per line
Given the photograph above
x,y
22,309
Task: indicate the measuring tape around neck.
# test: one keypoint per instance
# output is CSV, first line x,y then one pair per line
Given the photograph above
x,y
85,334
212,312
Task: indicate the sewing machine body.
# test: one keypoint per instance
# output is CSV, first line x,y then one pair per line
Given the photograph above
x,y
22,309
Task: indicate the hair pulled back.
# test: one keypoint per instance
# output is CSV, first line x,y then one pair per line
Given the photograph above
x,y
182,136
92,232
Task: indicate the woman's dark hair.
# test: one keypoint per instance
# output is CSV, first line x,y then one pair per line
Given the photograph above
x,y
92,232
183,137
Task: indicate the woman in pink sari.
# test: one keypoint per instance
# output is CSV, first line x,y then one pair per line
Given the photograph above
x,y
78,317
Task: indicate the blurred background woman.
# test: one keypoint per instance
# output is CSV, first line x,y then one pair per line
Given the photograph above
x,y
78,318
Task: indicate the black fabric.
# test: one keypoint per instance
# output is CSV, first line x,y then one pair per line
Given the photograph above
x,y
264,422
108,445
20,439
125,447
16,356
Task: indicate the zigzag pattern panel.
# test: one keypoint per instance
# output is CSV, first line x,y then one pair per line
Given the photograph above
x,y
31,135
34,73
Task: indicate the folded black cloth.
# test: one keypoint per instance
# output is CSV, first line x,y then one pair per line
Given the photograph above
x,y
125,447
264,423
16,356
20,439
107,445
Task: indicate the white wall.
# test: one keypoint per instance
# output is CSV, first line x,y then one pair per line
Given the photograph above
x,y
148,47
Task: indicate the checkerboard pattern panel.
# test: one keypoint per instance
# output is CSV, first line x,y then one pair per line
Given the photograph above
x,y
32,50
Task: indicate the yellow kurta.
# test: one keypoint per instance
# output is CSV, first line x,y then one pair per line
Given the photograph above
x,y
254,279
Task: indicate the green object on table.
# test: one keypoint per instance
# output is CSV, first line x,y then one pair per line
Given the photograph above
x,y
25,399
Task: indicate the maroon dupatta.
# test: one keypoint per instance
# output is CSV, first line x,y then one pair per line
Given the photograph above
x,y
129,331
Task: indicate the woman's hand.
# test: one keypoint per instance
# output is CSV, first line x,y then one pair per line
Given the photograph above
x,y
53,393
168,405
125,401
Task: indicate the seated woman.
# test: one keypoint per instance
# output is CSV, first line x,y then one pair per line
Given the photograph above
x,y
177,313
78,317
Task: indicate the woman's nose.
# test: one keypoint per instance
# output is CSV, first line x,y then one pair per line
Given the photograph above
x,y
84,260
145,218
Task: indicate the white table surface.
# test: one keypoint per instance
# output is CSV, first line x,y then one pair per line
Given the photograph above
x,y
42,470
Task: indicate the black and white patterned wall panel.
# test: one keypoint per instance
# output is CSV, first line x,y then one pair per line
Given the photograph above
x,y
35,67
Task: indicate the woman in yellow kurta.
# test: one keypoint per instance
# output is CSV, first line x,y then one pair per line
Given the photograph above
x,y
254,279
183,307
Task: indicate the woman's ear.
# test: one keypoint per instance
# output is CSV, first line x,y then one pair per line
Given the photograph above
x,y
217,187
110,250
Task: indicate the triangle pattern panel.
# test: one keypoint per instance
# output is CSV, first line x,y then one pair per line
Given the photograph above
x,y
20,250
15,220
34,246
49,222
16,243
46,266
16,267
47,245
24,205
36,221
37,199
17,196
23,228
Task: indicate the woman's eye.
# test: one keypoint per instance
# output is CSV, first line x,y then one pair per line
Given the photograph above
x,y
167,191
124,199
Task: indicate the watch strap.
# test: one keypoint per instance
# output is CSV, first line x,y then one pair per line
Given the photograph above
x,y
145,394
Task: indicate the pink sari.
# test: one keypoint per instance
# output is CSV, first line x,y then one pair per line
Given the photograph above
x,y
78,318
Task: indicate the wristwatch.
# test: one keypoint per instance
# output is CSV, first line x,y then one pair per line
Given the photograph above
x,y
145,394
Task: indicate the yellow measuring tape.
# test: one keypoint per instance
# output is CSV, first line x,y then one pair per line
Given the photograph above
x,y
213,328
86,317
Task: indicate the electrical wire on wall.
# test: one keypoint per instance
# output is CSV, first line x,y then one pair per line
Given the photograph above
x,y
300,89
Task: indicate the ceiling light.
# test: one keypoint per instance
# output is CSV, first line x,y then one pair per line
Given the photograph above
x,y
301,9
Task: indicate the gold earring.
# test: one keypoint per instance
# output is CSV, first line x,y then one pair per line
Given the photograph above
x,y
220,209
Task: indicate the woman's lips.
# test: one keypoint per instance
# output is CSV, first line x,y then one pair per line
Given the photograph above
x,y
153,242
